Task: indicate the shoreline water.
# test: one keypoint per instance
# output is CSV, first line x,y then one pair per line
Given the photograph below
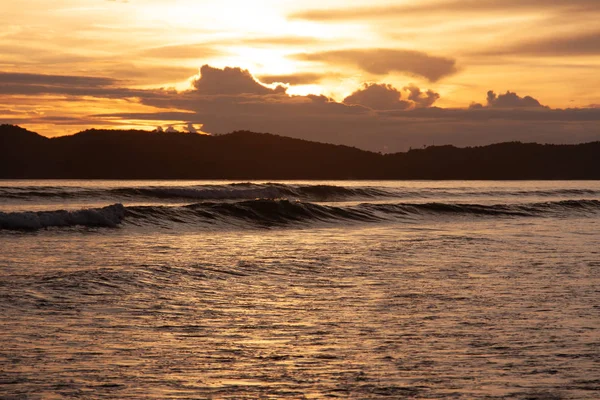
x,y
430,305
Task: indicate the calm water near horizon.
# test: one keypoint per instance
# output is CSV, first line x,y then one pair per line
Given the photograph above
x,y
300,289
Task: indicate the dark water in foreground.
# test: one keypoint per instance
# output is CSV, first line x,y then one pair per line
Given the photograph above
x,y
361,290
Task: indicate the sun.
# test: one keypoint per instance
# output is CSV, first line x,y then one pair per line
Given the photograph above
x,y
249,35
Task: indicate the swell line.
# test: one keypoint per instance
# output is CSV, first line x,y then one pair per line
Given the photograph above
x,y
265,213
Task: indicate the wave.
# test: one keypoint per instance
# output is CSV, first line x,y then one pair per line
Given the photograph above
x,y
247,191
266,213
235,191
537,193
110,216
45,192
250,191
551,208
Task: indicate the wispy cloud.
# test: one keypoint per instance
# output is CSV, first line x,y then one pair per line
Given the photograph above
x,y
444,8
385,61
579,44
182,51
16,78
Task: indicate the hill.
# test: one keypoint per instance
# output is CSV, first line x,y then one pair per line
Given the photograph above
x,y
112,154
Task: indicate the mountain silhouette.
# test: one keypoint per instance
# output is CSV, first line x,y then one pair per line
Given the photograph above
x,y
117,154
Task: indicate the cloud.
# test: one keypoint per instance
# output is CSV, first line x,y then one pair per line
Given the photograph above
x,y
376,117
190,128
379,116
293,79
386,97
509,100
385,61
67,90
583,44
114,74
421,99
8,111
65,85
13,78
230,81
282,40
148,74
73,87
427,8
182,51
391,131
378,97
63,121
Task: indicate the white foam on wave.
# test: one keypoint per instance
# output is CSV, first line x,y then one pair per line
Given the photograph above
x,y
109,216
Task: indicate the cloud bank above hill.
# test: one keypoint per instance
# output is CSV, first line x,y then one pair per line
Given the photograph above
x,y
376,116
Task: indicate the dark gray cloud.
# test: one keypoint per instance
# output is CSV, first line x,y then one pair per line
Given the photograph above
x,y
71,86
101,75
148,74
509,100
378,97
377,124
82,122
14,78
374,117
424,8
230,81
68,90
389,131
421,99
493,115
385,61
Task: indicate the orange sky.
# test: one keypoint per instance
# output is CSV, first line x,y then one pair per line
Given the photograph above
x,y
69,64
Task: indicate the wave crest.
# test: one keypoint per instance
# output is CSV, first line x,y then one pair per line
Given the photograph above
x,y
234,191
109,216
280,212
264,212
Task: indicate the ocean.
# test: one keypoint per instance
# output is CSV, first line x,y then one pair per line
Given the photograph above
x,y
300,290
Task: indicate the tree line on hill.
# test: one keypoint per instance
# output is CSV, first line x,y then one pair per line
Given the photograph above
x,y
242,155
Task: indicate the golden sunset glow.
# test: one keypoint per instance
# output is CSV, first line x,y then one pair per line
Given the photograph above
x,y
458,50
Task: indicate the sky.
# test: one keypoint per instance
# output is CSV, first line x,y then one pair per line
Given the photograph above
x,y
380,75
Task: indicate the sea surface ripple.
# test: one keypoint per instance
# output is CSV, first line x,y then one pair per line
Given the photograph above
x,y
299,290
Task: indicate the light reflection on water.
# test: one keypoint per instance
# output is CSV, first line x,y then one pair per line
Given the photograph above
x,y
452,307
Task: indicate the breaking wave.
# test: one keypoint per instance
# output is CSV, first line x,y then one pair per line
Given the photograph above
x,y
266,213
110,216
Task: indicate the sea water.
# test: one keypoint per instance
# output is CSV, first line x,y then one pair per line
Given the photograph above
x,y
360,290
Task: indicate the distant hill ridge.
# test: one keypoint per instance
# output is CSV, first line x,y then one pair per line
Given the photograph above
x,y
242,155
